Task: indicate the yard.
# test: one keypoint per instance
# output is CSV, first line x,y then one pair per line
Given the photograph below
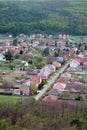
x,y
78,38
9,99
76,75
2,67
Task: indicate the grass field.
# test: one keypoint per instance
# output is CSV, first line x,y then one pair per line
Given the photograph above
x,y
9,99
78,38
4,67
76,75
5,37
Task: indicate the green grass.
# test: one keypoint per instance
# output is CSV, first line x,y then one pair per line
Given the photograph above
x,y
76,75
4,37
9,99
4,67
78,39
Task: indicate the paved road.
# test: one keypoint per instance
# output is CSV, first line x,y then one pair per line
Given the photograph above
x,y
51,81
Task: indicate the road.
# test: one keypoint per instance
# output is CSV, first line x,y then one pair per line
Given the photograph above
x,y
51,81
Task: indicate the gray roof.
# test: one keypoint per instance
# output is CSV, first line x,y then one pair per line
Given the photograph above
x,y
53,92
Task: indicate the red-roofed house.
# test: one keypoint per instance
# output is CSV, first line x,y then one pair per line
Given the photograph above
x,y
76,62
50,98
24,44
59,86
63,80
24,90
35,79
56,64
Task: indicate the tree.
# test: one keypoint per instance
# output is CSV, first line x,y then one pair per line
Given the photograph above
x,y
21,52
38,61
85,47
56,54
15,41
3,123
45,52
9,55
17,56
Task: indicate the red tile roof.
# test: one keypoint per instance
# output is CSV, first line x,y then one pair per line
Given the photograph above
x,y
24,44
79,59
56,64
24,89
50,98
36,78
63,80
59,85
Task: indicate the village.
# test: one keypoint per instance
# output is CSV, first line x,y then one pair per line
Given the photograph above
x,y
46,67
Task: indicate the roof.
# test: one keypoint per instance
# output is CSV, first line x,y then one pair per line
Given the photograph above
x,y
78,79
50,98
24,89
79,59
63,80
66,103
56,64
35,78
59,85
66,75
24,44
53,92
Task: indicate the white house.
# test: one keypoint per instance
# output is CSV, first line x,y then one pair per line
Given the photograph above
x,y
74,64
2,57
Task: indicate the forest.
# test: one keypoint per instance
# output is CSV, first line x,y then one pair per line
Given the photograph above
x,y
66,16
32,115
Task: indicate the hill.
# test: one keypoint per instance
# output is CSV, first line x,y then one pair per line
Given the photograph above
x,y
31,115
58,16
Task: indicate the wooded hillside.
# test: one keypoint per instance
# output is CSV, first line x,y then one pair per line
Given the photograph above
x,y
66,16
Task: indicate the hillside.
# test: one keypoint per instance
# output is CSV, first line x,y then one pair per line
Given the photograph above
x,y
58,16
27,115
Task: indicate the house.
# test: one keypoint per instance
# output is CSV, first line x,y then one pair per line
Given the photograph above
x,y
32,36
66,56
50,98
60,59
56,64
17,51
77,88
24,44
76,62
71,70
59,86
85,65
47,70
42,47
63,80
16,92
77,79
31,71
61,47
60,36
66,75
4,48
53,92
50,42
27,82
26,64
2,57
35,79
24,90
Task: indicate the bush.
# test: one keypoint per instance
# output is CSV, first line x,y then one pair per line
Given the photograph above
x,y
42,84
4,93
